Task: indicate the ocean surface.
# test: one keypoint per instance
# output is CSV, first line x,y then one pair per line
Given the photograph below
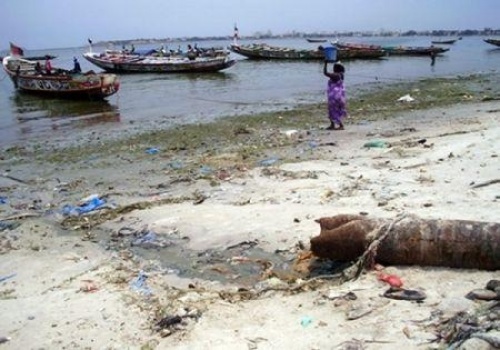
x,y
163,100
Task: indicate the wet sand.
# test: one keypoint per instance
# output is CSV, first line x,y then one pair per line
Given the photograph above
x,y
86,282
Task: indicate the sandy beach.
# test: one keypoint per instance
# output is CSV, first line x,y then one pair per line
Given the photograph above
x,y
92,281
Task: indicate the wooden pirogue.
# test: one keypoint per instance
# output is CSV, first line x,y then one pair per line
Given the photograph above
x,y
268,52
411,241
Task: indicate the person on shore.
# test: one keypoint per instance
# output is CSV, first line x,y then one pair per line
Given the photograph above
x,y
433,57
337,104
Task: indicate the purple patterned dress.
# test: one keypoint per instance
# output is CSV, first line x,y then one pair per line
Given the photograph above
x,y
336,101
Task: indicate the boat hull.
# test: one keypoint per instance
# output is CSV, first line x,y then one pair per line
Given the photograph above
x,y
60,84
396,50
415,51
158,65
264,52
443,42
495,42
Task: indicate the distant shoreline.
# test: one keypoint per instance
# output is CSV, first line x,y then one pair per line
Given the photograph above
x,y
293,35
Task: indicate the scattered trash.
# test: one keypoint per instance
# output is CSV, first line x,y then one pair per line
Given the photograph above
x,y
313,144
406,98
493,285
168,322
4,339
392,280
8,225
404,294
5,278
206,170
483,294
88,286
328,144
376,144
305,321
89,204
491,292
148,239
269,161
357,311
152,150
484,184
3,200
410,129
175,165
291,133
139,284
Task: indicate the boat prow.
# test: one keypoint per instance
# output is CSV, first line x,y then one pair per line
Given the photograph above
x,y
495,42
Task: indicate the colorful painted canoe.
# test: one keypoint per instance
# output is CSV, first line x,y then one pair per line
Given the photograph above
x,y
59,83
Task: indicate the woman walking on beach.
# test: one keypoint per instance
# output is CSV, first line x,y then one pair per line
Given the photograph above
x,y
336,96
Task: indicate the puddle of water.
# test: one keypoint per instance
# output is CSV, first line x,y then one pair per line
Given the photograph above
x,y
243,264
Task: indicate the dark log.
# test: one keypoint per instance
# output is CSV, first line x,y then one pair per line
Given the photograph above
x,y
411,241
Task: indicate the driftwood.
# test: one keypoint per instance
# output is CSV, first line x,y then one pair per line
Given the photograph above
x,y
410,241
487,183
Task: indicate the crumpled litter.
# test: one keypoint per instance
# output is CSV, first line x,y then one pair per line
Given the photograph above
x,y
4,278
90,203
268,162
375,144
149,239
152,150
406,98
139,284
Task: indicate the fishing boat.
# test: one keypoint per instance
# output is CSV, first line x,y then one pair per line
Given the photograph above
x,y
59,83
443,42
36,58
267,52
355,46
396,50
122,62
19,52
414,50
491,41
312,40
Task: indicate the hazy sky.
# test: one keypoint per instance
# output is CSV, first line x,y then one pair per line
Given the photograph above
x,y
40,24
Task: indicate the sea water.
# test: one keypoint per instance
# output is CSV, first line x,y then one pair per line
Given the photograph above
x,y
163,100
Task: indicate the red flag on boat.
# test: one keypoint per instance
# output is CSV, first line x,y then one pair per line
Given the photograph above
x,y
16,50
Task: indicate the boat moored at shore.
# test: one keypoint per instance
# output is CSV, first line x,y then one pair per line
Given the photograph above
x,y
267,52
58,82
120,62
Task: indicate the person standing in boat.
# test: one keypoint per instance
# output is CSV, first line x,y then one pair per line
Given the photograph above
x,y
337,103
76,66
48,65
38,68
